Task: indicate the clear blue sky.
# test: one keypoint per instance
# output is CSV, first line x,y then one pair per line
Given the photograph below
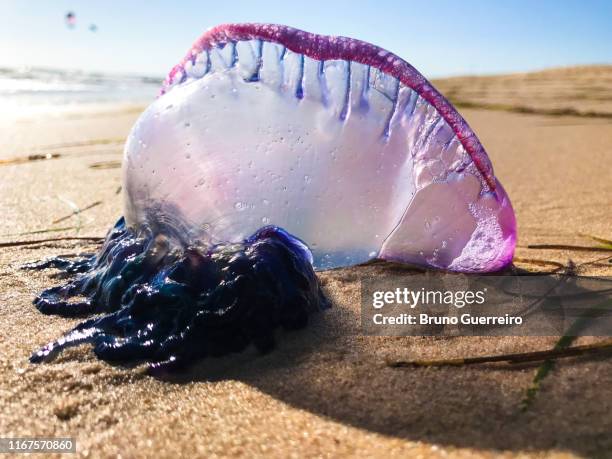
x,y
439,37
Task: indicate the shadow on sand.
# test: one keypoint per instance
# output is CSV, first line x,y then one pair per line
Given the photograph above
x,y
331,370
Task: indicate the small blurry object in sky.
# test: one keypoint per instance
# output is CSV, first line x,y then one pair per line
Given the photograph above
x,y
93,27
70,19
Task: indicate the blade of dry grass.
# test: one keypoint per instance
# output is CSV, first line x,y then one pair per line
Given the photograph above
x,y
42,241
77,211
578,248
521,357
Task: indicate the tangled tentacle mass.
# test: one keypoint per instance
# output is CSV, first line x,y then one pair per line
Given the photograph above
x,y
168,305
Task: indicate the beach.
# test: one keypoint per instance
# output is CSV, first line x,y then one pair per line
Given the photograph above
x,y
326,391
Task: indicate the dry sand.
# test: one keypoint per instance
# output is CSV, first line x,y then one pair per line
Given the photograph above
x,y
569,90
325,391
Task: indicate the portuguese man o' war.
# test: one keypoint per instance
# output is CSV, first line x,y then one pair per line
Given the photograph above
x,y
270,153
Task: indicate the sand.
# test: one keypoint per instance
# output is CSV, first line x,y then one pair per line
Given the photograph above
x,y
582,91
325,391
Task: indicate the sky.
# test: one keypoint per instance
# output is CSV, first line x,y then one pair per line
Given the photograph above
x,y
439,37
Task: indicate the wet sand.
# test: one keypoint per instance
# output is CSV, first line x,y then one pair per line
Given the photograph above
x,y
325,391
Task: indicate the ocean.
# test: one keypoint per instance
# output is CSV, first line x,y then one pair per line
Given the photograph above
x,y
36,91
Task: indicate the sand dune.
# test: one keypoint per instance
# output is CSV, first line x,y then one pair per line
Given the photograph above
x,y
582,91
